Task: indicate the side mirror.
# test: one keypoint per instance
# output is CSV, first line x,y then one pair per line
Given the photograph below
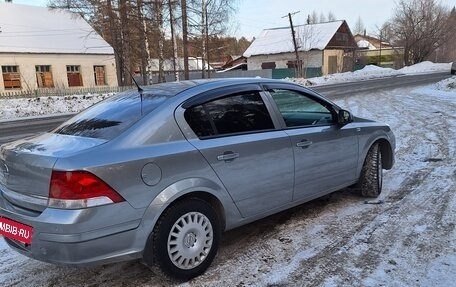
x,y
344,117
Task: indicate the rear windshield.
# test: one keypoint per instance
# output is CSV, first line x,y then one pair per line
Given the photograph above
x,y
112,116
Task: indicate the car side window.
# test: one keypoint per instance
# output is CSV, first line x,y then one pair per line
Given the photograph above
x,y
300,110
238,113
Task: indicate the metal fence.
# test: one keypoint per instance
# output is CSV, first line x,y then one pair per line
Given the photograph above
x,y
52,92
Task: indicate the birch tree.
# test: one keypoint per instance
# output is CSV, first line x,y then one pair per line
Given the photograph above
x,y
359,26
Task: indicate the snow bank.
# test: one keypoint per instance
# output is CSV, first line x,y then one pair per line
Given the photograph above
x,y
368,72
425,67
445,89
447,85
373,72
26,107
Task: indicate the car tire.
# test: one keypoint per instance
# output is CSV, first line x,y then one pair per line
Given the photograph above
x,y
371,179
185,240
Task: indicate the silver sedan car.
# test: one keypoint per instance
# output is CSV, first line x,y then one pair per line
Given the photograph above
x,y
159,173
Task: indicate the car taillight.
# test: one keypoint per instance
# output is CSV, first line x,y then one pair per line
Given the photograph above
x,y
79,189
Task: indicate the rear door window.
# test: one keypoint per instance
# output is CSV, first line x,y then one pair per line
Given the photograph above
x,y
234,114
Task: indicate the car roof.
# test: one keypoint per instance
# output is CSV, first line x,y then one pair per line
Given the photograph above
x,y
171,89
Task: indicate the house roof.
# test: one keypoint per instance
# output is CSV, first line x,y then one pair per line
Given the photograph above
x,y
371,43
30,29
279,40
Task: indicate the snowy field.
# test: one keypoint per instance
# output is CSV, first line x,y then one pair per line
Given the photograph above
x,y
407,239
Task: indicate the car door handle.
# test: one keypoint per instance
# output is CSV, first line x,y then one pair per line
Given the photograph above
x,y
228,156
304,144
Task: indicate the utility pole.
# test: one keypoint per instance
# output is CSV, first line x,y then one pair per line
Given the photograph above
x,y
293,34
185,37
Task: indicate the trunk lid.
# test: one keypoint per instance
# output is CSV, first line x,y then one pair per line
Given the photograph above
x,y
26,166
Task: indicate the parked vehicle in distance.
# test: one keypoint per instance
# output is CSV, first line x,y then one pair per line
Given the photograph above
x,y
453,68
159,174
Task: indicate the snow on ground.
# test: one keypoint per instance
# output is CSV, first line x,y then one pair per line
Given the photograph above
x,y
373,72
425,67
45,106
26,107
407,239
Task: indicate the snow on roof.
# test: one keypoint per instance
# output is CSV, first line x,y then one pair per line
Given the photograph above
x,y
366,44
279,40
233,68
30,29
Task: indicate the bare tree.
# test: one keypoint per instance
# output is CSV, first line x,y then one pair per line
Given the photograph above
x,y
185,37
359,26
447,52
208,19
420,26
331,16
312,18
172,24
322,18
307,36
129,25
112,20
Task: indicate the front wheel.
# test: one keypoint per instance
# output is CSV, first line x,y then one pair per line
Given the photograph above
x,y
185,239
371,179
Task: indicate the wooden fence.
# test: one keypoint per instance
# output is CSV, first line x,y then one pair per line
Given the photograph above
x,y
52,92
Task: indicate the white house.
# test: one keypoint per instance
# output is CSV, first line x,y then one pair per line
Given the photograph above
x,y
322,47
44,48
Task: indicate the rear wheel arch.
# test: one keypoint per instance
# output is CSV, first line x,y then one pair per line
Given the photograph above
x,y
387,153
371,177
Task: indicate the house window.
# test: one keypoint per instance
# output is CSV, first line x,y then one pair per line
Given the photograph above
x,y
99,74
341,37
11,77
44,76
268,65
74,76
292,64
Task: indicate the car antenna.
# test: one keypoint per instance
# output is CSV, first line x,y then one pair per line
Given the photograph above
x,y
140,90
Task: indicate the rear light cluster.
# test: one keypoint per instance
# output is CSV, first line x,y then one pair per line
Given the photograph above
x,y
80,189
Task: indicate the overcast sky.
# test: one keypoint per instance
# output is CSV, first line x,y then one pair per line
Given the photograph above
x,y
255,15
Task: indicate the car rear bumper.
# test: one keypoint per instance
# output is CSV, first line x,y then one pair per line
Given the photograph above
x,y
91,236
